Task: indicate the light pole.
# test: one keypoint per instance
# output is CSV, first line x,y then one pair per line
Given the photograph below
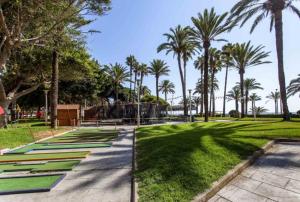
x,y
190,95
138,103
46,105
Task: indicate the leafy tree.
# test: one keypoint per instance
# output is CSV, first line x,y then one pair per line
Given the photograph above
x,y
274,96
249,85
132,63
145,91
244,56
158,68
180,43
208,27
166,87
244,10
294,87
234,94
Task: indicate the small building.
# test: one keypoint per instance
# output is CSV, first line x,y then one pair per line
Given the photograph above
x,y
68,115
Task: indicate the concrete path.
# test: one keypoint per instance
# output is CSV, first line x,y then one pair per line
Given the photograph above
x,y
274,177
105,175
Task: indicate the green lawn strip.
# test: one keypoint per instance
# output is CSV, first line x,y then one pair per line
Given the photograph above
x,y
52,166
81,139
176,162
43,156
28,184
44,146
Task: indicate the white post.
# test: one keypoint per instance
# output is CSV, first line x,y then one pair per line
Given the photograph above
x,y
138,107
46,105
190,95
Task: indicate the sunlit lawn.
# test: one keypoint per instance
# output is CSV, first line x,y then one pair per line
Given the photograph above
x,y
177,162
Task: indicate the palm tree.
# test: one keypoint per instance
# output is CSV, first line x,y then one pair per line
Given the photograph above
x,y
259,110
226,51
234,94
274,96
158,68
244,56
131,62
199,64
166,86
179,42
119,75
144,72
145,91
294,86
212,88
208,26
250,84
253,98
197,102
54,89
245,9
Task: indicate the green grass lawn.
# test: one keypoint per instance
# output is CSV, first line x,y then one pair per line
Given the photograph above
x,y
176,162
20,134
42,156
28,183
52,166
245,119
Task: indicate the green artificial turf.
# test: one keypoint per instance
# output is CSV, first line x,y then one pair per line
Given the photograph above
x,y
28,183
42,156
52,166
45,146
176,162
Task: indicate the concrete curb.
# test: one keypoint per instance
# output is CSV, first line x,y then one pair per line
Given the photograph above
x,y
43,139
134,184
218,185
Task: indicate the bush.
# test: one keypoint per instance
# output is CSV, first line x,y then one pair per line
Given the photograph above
x,y
298,113
234,113
152,99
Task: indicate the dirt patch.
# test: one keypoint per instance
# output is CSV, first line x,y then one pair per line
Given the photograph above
x,y
49,133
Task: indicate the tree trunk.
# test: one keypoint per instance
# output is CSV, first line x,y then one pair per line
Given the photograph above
x,y
181,79
246,103
157,92
185,108
242,93
54,89
237,107
206,46
225,91
214,106
212,91
281,75
202,94
135,80
130,85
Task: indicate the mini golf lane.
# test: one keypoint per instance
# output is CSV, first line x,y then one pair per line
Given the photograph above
x,y
51,166
42,157
29,184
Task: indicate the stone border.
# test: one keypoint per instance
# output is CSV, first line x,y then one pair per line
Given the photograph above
x,y
219,184
134,184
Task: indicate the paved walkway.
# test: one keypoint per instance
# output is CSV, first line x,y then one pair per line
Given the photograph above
x,y
105,175
274,177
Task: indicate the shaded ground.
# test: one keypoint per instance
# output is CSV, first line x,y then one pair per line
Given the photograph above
x,y
274,177
177,162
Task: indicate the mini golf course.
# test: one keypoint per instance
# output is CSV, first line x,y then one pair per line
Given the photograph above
x,y
18,160
27,184
51,166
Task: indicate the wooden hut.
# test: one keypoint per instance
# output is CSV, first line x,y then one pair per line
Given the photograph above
x,y
68,115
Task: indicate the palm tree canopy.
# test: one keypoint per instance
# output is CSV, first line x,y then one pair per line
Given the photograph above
x,y
294,87
145,90
159,68
209,25
199,63
234,94
246,55
118,73
274,96
251,84
131,61
216,62
143,69
261,9
166,86
259,110
254,97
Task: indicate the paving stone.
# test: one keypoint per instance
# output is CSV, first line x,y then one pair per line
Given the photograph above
x,y
245,183
293,185
270,179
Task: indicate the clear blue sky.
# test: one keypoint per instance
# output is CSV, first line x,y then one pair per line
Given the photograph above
x,y
137,26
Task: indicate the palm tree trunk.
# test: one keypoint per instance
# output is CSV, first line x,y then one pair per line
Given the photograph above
x,y
54,89
182,80
246,103
157,93
206,46
185,108
202,94
237,107
242,93
212,90
141,84
135,79
130,92
214,105
281,75
225,90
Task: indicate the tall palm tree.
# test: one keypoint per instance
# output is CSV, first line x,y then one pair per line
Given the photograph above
x,y
208,27
179,43
226,57
199,64
158,68
143,72
253,98
119,75
131,62
245,9
234,94
212,88
166,87
244,56
197,101
274,96
259,110
54,89
294,87
250,84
